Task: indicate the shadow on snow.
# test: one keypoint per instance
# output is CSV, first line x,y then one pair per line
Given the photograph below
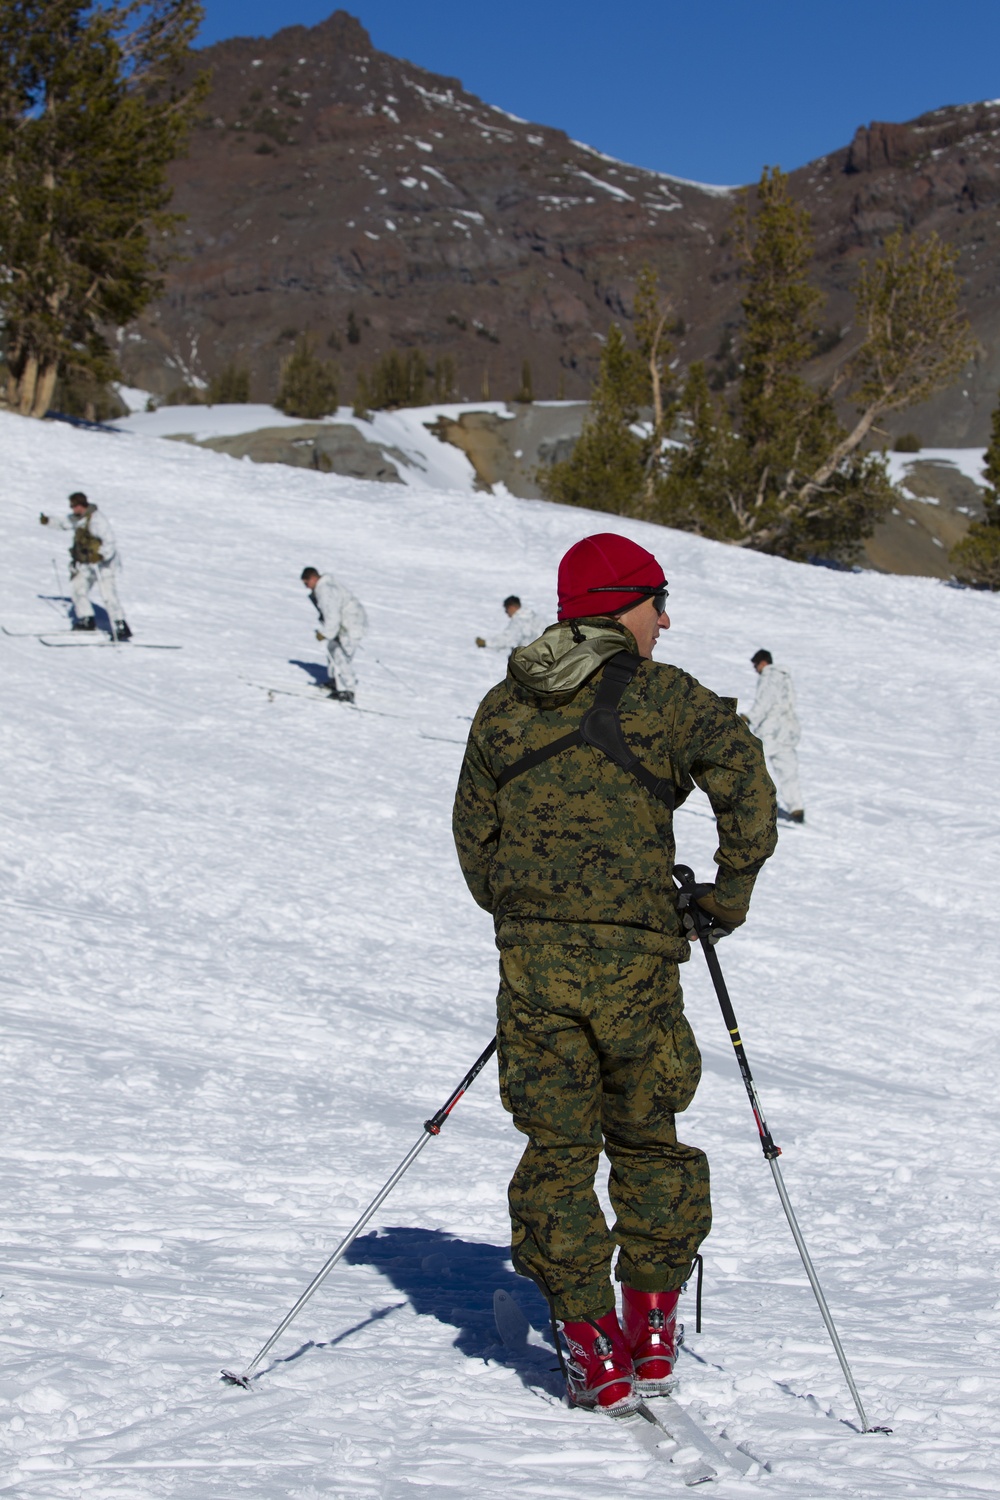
x,y
453,1280
312,669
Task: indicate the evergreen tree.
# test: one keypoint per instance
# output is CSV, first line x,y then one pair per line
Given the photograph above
x,y
525,393
444,379
400,380
615,465
782,474
230,387
92,111
78,394
607,468
308,384
706,468
779,306
361,404
991,472
652,316
976,558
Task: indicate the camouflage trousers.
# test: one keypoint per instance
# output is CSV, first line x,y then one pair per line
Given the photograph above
x,y
594,1048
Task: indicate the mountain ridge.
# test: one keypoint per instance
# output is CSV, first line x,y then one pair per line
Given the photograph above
x,y
328,179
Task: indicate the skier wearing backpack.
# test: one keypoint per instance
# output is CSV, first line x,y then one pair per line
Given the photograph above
x,y
93,561
572,854
343,622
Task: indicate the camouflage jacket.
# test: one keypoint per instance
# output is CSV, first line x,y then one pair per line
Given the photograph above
x,y
574,850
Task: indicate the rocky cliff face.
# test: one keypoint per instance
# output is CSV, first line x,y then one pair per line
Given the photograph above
x,y
329,179
939,173
335,190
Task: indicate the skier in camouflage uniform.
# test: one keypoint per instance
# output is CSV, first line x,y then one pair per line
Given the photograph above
x,y
93,561
572,855
775,723
344,623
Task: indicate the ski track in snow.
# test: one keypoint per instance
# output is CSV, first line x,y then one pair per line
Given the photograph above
x,y
241,967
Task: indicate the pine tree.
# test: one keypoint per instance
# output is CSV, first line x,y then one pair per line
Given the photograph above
x,y
400,380
607,468
230,387
779,306
616,465
652,315
92,111
362,407
976,558
782,474
706,468
444,379
308,384
991,472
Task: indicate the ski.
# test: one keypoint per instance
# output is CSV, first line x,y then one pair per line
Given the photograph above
x,y
677,1422
692,1465
318,695
668,1432
29,635
78,638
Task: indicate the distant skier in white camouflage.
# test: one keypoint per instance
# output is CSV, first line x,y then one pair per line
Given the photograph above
x,y
343,622
93,561
523,626
774,721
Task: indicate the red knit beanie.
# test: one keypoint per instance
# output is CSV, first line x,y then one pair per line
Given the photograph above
x,y
597,563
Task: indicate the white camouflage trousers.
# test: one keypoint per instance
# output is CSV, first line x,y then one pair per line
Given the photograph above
x,y
783,764
86,576
339,652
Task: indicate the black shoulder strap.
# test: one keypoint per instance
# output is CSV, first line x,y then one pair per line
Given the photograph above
x,y
601,728
535,757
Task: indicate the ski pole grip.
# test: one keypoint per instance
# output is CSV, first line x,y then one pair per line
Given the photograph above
x,y
687,903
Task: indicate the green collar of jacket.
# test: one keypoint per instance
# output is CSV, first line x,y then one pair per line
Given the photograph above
x,y
567,655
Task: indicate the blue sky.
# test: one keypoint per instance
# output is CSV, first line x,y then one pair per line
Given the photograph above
x,y
708,91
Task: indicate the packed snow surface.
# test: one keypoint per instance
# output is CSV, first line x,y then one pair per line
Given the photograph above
x,y
241,968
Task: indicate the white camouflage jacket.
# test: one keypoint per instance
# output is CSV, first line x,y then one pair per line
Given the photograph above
x,y
773,718
342,615
100,527
521,629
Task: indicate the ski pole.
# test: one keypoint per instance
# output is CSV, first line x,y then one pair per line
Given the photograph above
x,y
701,923
101,575
59,584
385,668
432,1127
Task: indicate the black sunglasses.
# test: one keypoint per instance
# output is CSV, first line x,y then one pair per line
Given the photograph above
x,y
657,595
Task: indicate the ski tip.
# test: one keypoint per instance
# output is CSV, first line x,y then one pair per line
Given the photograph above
x,y
231,1378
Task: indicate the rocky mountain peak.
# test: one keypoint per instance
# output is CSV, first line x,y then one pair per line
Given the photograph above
x,y
335,190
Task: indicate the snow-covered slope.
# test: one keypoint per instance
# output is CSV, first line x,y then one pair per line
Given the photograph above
x,y
241,968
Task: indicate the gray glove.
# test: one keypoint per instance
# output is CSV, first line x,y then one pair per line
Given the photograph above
x,y
722,919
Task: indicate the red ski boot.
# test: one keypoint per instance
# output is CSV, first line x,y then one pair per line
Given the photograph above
x,y
650,1326
598,1367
